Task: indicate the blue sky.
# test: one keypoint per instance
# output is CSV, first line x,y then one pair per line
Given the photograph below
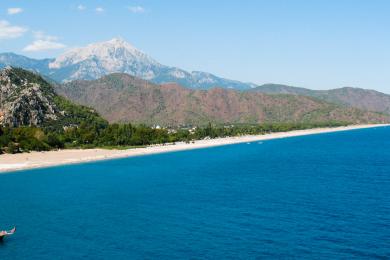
x,y
318,44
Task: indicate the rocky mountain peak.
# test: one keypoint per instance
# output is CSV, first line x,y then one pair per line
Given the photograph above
x,y
112,54
99,59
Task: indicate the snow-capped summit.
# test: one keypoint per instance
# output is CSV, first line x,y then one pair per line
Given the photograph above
x,y
113,53
99,59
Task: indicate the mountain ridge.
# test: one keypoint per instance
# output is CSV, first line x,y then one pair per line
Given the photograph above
x,y
121,97
366,99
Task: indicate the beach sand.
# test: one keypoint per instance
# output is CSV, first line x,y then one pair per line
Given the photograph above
x,y
13,162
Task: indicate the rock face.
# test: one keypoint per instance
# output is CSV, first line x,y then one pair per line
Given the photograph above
x,y
25,99
124,98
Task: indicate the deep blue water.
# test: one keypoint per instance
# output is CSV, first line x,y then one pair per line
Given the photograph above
x,y
320,196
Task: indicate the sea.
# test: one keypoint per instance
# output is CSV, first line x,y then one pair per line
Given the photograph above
x,y
323,196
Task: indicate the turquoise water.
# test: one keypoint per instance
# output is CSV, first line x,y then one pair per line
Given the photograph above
x,y
320,196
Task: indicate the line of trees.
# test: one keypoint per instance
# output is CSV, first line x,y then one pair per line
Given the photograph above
x,y
87,135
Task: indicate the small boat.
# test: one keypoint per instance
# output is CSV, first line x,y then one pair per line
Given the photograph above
x,y
5,233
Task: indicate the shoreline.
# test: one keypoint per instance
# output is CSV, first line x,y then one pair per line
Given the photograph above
x,y
32,160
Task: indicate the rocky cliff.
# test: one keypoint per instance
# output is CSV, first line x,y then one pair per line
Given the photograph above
x,y
26,99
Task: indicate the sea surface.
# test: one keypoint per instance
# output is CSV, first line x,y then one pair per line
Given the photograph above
x,y
324,196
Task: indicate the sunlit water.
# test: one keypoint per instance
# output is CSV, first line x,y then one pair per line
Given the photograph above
x,y
320,196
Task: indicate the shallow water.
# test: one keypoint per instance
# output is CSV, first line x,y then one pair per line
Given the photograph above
x,y
319,196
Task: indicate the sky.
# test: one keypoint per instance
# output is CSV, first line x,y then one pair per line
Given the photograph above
x,y
318,44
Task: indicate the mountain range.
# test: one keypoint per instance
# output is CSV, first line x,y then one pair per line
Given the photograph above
x,y
100,59
118,56
121,97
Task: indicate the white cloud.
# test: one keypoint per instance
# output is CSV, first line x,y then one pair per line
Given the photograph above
x,y
8,31
81,7
14,10
99,9
40,35
43,45
43,42
136,9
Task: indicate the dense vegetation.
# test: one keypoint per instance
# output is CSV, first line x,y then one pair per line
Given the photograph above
x,y
100,134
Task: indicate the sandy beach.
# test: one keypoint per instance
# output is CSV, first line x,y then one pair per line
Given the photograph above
x,y
22,161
